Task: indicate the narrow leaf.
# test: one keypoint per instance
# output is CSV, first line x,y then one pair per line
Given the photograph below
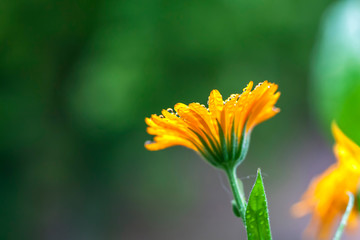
x,y
257,216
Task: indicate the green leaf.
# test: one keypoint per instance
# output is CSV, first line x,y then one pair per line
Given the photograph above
x,y
345,217
257,216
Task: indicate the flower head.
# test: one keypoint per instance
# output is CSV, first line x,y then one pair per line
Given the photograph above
x,y
326,197
220,133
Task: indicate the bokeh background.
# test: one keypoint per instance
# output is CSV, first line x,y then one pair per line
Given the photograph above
x,y
79,77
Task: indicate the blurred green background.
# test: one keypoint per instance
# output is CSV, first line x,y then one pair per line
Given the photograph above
x,y
79,77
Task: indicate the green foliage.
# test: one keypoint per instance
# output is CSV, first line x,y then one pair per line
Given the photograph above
x,y
79,77
336,69
257,216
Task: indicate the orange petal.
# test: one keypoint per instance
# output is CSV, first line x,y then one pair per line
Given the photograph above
x,y
167,141
344,145
215,103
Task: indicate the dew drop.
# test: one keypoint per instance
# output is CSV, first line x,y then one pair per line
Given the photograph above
x,y
170,110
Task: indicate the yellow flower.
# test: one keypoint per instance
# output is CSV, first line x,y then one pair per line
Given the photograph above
x,y
326,197
220,133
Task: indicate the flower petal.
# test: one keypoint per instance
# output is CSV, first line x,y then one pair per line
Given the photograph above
x,y
216,104
166,141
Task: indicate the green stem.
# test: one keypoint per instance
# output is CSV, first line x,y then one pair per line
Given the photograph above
x,y
345,217
239,200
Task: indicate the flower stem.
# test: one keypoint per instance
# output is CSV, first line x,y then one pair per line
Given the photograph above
x,y
345,217
238,194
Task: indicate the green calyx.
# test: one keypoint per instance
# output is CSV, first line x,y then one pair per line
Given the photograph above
x,y
233,150
229,152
